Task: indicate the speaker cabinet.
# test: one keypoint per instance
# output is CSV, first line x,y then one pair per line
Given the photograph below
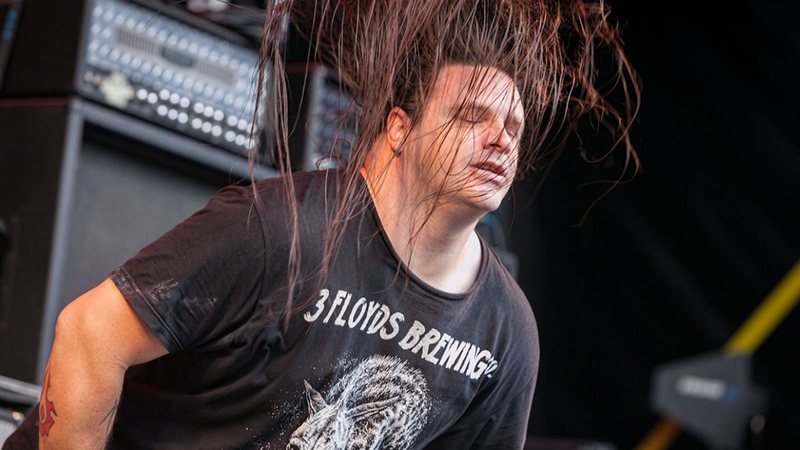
x,y
84,187
117,121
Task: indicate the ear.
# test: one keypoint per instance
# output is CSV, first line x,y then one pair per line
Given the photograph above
x,y
398,124
315,401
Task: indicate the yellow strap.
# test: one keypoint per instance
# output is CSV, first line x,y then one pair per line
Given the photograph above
x,y
660,436
768,315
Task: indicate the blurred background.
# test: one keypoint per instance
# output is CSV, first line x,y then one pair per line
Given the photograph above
x,y
672,264
122,117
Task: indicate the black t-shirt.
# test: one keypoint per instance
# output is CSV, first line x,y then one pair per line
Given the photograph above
x,y
374,357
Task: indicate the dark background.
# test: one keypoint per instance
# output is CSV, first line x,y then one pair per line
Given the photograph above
x,y
669,265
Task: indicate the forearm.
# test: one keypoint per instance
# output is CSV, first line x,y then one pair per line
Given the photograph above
x,y
80,395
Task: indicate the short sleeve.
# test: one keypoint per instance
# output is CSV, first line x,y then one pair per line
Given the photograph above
x,y
202,279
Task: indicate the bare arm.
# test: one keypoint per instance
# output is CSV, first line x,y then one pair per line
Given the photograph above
x,y
98,336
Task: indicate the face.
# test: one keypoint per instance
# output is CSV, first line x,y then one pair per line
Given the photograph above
x,y
465,144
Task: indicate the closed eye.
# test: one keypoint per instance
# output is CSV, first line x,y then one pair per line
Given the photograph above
x,y
476,113
512,131
470,118
513,125
472,113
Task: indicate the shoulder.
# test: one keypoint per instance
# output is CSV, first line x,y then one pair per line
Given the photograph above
x,y
304,198
508,297
510,308
300,188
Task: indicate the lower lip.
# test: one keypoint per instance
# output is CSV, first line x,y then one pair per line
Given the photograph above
x,y
490,176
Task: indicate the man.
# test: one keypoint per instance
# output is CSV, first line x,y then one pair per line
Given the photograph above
x,y
339,309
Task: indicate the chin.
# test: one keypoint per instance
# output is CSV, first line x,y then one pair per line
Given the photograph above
x,y
489,202
477,201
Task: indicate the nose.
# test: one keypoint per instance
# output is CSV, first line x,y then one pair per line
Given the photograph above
x,y
499,138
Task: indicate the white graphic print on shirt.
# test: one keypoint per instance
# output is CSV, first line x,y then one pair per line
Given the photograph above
x,y
381,403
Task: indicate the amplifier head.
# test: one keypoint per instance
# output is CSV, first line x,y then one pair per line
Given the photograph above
x,y
170,72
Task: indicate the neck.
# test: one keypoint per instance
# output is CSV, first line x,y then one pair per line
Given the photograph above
x,y
437,242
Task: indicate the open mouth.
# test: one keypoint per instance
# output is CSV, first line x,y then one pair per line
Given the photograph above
x,y
496,170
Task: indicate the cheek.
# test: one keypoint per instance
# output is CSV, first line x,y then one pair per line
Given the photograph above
x,y
469,142
515,161
514,156
455,147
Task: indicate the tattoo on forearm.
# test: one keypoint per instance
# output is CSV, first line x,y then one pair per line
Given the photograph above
x,y
108,419
47,409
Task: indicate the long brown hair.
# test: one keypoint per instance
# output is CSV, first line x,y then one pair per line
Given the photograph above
x,y
388,53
